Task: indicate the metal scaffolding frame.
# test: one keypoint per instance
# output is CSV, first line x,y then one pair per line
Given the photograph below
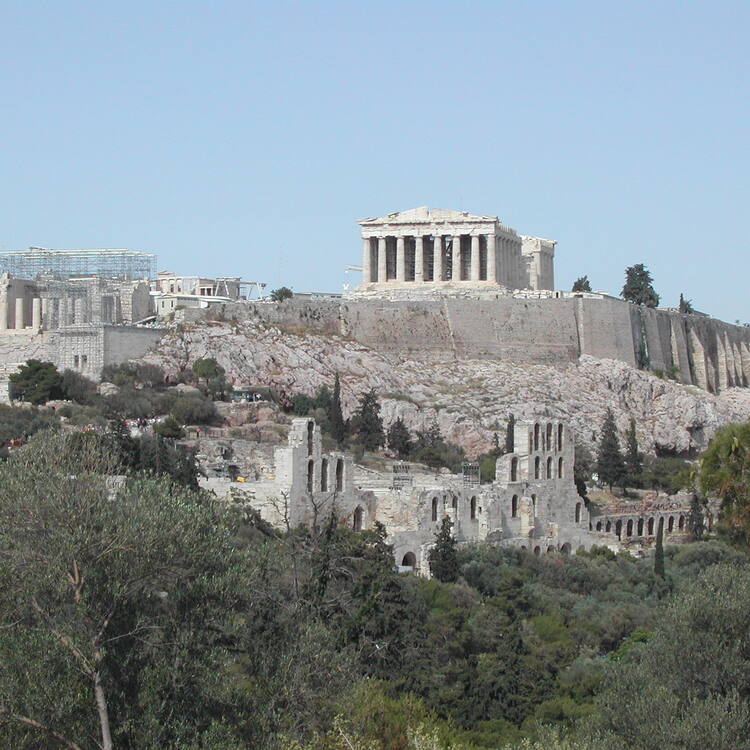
x,y
63,264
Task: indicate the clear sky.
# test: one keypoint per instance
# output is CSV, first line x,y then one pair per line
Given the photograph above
x,y
245,138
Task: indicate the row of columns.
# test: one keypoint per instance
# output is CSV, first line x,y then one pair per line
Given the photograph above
x,y
504,251
19,309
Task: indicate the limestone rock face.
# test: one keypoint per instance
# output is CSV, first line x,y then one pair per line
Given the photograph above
x,y
469,399
107,389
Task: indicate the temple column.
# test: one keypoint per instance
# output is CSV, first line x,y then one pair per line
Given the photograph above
x,y
19,313
366,261
474,275
4,314
419,258
400,260
456,276
382,275
491,258
437,259
36,313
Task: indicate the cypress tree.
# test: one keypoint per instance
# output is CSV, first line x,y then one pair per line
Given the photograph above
x,y
633,458
368,423
695,519
336,423
399,439
610,465
510,434
659,554
443,557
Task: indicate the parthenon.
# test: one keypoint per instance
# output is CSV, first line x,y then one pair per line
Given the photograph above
x,y
443,247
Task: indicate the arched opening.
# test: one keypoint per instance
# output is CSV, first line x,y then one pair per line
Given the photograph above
x,y
560,468
565,549
533,503
454,503
578,513
681,523
629,528
599,526
537,466
359,515
531,442
324,475
339,474
514,469
549,436
618,529
640,527
473,508
536,437
434,508
609,527
549,468
523,548
710,521
409,561
650,526
514,506
670,525
537,551
550,550
310,475
559,437
310,432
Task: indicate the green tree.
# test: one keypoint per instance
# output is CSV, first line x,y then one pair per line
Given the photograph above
x,y
169,428
443,556
639,286
583,466
685,306
280,294
125,595
213,376
367,422
434,450
36,382
725,471
336,423
695,521
510,434
582,284
659,551
399,439
78,388
610,465
633,457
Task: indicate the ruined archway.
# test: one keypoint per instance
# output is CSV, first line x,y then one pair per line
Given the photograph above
x,y
324,475
359,515
565,549
514,506
409,560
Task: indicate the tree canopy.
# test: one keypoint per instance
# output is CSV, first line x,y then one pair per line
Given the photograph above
x,y
639,287
610,465
36,382
582,284
367,422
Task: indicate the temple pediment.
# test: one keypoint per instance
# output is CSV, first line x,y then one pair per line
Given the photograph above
x,y
424,214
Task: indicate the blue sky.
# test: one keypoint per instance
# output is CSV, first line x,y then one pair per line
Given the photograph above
x,y
243,138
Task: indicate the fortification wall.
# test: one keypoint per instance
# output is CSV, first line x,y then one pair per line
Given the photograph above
x,y
693,349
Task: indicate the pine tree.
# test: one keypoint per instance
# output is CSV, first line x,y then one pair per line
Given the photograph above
x,y
633,458
336,423
443,556
368,423
399,439
659,554
686,306
582,284
639,286
610,465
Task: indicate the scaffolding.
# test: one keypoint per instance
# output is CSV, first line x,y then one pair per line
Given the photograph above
x,y
107,263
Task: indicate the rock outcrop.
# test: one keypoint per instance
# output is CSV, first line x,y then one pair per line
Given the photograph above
x,y
469,398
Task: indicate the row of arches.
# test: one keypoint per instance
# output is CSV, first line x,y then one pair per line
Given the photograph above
x,y
545,439
454,505
549,473
643,526
325,478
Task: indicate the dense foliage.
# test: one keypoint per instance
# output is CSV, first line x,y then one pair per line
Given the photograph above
x,y
177,623
639,287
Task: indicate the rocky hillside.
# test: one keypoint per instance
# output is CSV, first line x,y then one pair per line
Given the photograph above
x,y
470,399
